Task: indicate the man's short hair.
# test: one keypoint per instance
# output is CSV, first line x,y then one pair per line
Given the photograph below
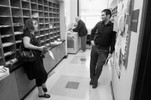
x,y
107,12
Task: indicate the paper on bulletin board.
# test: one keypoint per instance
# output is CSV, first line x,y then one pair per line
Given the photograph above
x,y
127,6
121,22
115,28
116,60
120,8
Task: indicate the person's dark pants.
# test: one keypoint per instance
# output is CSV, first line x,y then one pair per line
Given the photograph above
x,y
83,42
41,81
98,58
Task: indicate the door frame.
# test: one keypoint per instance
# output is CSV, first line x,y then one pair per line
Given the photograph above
x,y
142,63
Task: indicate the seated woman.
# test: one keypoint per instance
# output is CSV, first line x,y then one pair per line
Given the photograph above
x,y
35,70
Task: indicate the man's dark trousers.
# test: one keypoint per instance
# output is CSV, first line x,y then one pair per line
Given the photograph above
x,y
98,58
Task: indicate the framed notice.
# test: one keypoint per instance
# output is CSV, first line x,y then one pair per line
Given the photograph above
x,y
134,21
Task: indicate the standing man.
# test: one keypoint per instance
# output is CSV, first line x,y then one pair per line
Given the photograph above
x,y
103,42
82,32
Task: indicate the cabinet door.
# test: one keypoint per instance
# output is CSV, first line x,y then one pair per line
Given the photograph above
x,y
61,51
23,83
8,88
49,63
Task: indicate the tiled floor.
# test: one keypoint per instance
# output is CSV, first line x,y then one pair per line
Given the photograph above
x,y
70,81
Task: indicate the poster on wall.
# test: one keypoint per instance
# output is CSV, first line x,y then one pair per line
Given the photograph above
x,y
123,36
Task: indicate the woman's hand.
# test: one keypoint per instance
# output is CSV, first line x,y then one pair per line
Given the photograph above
x,y
43,49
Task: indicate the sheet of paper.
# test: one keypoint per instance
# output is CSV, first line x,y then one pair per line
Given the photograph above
x,y
51,54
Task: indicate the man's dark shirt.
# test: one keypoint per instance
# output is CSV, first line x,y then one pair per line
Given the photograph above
x,y
104,36
81,28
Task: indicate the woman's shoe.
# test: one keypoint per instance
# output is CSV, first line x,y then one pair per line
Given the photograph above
x,y
44,96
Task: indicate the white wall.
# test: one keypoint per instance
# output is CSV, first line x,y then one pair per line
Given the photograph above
x,y
67,12
70,11
62,20
122,86
73,10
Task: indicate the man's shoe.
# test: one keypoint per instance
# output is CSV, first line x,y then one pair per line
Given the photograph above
x,y
91,82
95,84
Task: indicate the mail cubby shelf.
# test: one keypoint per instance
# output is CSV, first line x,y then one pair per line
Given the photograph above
x,y
26,0
41,20
47,31
18,32
34,6
52,37
35,1
54,10
48,37
34,11
50,4
1,53
18,37
50,9
53,4
51,20
25,18
8,45
54,15
10,57
26,13
40,2
46,15
6,32
4,2
41,14
46,21
14,13
37,34
47,27
43,43
17,21
50,15
15,3
46,9
2,62
42,33
9,53
4,11
45,2
5,21
25,5
48,42
42,26
40,8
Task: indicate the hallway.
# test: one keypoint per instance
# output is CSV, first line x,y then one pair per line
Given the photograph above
x,y
70,81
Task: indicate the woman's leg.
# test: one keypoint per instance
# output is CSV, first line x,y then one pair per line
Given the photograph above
x,y
39,85
40,89
44,87
42,93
